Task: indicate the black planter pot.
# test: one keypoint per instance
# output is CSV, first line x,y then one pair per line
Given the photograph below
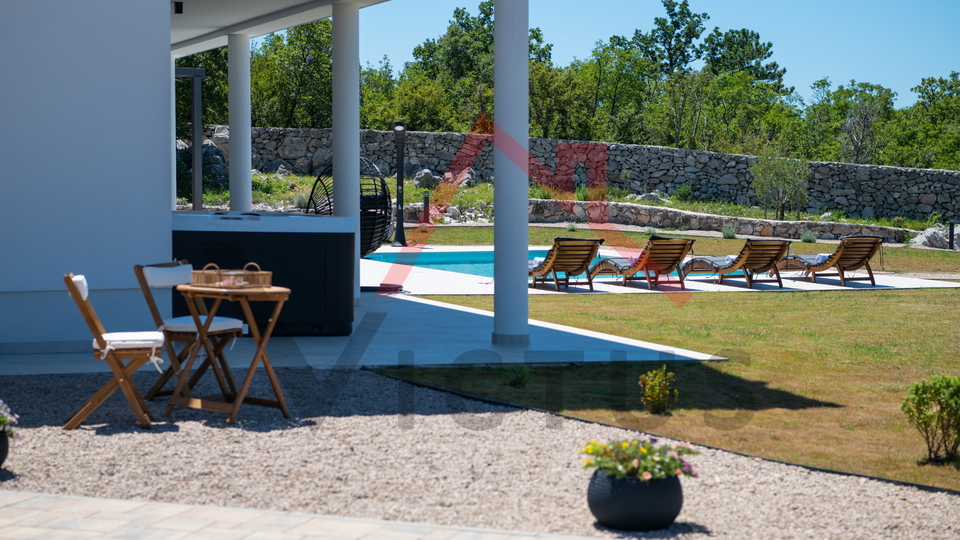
x,y
4,445
629,504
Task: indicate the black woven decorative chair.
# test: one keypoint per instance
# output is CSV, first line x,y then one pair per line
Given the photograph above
x,y
376,213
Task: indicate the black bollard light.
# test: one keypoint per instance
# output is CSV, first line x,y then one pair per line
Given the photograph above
x,y
425,217
399,141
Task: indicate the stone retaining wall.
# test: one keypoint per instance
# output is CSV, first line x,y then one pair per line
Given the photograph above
x,y
858,190
552,211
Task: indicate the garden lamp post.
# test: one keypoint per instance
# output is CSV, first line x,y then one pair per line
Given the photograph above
x,y
399,140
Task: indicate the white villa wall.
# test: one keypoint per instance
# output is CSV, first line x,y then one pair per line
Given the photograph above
x,y
96,71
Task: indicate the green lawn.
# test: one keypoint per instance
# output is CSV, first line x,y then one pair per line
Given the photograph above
x,y
813,378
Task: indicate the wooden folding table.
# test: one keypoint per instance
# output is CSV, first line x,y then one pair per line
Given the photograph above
x,y
231,405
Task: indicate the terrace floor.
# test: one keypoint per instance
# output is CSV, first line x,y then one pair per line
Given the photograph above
x,y
386,327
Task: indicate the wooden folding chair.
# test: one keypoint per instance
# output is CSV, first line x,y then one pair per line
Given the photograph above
x,y
184,329
114,348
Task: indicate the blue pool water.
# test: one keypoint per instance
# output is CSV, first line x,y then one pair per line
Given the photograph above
x,y
478,263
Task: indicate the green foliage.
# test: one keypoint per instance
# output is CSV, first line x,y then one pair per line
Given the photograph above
x,y
683,193
729,232
808,237
898,221
741,51
658,393
572,227
933,407
640,459
291,78
537,191
780,182
640,89
7,421
478,197
521,377
932,220
214,90
377,92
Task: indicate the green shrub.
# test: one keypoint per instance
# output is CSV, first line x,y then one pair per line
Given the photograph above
x,y
658,394
898,221
539,192
615,193
933,407
683,193
572,227
932,220
729,232
808,237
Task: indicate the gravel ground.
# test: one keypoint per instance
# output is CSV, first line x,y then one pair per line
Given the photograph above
x,y
454,462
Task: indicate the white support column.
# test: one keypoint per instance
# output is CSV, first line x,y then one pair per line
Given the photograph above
x,y
173,133
510,171
346,120
238,62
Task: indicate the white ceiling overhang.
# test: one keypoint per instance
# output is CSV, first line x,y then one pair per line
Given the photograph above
x,y
205,24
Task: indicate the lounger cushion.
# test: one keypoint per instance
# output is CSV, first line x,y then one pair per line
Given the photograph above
x,y
186,324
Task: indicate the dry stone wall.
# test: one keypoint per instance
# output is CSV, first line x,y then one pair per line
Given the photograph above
x,y
552,211
858,190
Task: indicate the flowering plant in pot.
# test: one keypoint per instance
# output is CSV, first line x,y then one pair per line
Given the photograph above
x,y
7,431
636,486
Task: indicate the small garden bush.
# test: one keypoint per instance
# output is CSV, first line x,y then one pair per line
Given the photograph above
x,y
658,393
684,193
539,192
933,407
729,232
808,237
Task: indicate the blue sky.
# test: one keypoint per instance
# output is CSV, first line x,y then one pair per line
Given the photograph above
x,y
891,43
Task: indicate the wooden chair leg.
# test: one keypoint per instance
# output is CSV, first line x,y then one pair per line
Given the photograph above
x,y
870,273
120,373
91,404
122,380
176,360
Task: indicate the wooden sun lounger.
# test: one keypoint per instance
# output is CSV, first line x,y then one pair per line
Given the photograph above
x,y
757,257
660,257
572,256
853,253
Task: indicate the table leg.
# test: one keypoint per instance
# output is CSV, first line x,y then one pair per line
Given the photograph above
x,y
182,389
261,353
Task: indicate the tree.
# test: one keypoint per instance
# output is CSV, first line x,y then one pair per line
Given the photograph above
x,y
377,90
742,50
864,107
927,134
461,60
780,182
214,93
671,43
291,78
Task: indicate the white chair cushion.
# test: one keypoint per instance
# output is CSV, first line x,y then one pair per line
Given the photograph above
x,y
167,276
132,340
81,283
186,324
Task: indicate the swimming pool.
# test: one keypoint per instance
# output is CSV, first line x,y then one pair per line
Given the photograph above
x,y
478,263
